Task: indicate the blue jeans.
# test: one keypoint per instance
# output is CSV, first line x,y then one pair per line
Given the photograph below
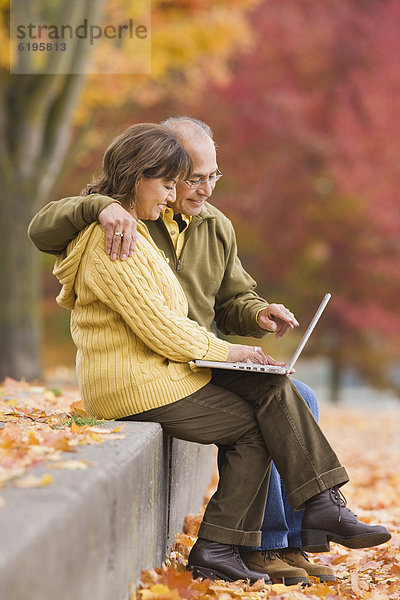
x,y
281,527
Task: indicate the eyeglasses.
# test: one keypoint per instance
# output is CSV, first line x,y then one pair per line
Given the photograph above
x,y
194,184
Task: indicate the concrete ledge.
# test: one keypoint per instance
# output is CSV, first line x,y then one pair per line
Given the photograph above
x,y
90,533
191,469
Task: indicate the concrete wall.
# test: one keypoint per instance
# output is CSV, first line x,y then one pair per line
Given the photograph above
x,y
191,469
90,533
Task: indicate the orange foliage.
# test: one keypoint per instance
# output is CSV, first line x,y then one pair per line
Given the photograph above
x,y
36,427
191,44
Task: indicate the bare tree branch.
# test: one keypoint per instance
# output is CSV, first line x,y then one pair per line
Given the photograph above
x,y
45,105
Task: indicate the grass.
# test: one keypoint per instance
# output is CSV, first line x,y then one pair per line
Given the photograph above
x,y
81,421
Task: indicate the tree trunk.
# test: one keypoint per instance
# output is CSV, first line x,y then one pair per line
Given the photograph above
x,y
19,291
335,379
35,123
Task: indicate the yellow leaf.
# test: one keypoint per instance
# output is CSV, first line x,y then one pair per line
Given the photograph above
x,y
75,428
62,444
224,596
33,440
95,437
258,585
12,402
30,481
156,591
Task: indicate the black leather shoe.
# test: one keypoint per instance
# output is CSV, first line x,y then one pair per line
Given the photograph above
x,y
327,519
213,560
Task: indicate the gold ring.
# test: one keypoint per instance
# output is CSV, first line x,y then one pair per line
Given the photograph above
x,y
119,234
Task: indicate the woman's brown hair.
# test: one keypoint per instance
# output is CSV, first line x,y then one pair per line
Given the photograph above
x,y
143,149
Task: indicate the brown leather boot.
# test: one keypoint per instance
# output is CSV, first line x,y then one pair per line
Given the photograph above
x,y
213,560
296,557
327,519
268,561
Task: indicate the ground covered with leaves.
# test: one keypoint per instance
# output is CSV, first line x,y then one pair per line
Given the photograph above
x,y
368,443
38,425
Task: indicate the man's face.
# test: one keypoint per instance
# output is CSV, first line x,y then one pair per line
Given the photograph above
x,y
190,201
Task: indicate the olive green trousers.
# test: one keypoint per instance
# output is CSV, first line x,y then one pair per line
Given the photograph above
x,y
259,418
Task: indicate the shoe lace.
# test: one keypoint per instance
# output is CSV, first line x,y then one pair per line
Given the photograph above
x,y
301,551
296,550
269,555
339,499
236,553
304,554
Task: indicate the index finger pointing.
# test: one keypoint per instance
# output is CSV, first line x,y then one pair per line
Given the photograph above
x,y
287,316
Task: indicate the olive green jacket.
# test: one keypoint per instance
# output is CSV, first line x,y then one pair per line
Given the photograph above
x,y
209,270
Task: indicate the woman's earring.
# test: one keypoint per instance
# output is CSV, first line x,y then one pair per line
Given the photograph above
x,y
132,203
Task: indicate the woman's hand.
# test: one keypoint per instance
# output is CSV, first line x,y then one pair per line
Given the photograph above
x,y
253,354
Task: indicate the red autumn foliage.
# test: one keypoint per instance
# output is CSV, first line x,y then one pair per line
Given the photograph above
x,y
309,146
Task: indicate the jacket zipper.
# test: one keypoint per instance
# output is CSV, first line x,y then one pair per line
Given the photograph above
x,y
178,261
188,233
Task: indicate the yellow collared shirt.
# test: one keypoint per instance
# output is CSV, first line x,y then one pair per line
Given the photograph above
x,y
177,238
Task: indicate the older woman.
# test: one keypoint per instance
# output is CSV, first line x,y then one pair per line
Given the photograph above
x,y
135,347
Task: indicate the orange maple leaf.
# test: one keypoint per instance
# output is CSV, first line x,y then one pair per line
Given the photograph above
x,y
180,581
76,408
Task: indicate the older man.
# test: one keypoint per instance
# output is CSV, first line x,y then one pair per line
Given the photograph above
x,y
220,291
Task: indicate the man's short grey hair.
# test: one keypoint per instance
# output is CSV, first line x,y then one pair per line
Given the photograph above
x,y
180,122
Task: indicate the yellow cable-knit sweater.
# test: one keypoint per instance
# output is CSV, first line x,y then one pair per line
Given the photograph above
x,y
129,323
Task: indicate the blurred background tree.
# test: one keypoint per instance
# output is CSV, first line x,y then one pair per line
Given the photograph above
x,y
309,140
37,114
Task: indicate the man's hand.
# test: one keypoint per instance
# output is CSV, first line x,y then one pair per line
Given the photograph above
x,y
116,220
278,319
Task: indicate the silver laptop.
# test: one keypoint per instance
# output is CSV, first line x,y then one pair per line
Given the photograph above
x,y
275,369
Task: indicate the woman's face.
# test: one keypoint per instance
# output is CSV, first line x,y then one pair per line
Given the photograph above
x,y
152,195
